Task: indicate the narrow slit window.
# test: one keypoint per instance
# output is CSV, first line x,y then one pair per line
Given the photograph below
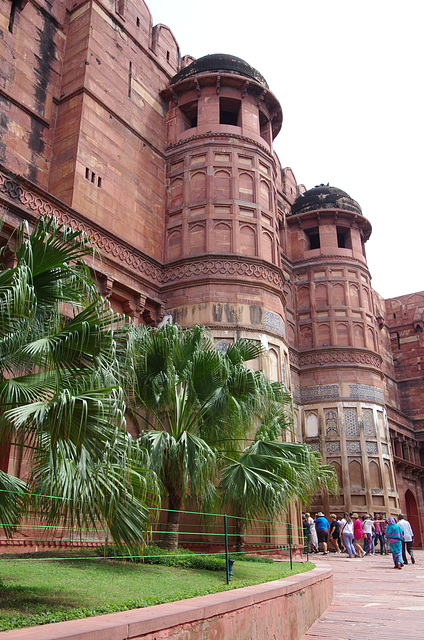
x,y
87,173
93,177
99,182
129,78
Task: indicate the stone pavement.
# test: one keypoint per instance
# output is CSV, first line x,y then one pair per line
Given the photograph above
x,y
372,601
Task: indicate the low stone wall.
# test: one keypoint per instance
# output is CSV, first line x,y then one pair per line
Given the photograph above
x,y
283,609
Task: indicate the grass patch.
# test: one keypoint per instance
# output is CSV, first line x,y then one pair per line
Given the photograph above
x,y
40,590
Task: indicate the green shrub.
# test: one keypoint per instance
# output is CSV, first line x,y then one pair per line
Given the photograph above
x,y
183,558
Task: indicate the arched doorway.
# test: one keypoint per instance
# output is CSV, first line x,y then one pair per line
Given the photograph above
x,y
412,517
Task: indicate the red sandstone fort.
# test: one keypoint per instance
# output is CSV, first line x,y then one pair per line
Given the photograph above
x,y
167,162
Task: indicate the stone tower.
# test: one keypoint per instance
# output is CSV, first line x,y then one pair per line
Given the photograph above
x,y
340,373
222,253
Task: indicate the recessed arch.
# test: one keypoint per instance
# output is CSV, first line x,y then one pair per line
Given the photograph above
x,y
306,338
174,244
354,295
339,298
247,240
358,335
197,186
321,296
356,475
323,335
222,237
246,187
265,195
311,425
222,184
342,333
267,247
176,192
197,238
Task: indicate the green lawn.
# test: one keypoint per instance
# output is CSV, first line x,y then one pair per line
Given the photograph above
x,y
38,591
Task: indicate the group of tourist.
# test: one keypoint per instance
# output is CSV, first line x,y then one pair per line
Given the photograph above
x,y
346,534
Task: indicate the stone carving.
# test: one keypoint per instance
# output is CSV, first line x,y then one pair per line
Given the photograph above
x,y
237,136
340,356
215,266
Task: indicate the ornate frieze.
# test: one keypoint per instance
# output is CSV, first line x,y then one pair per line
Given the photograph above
x,y
367,393
325,392
223,267
340,356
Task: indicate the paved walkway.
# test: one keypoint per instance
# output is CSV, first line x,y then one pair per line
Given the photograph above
x,y
372,601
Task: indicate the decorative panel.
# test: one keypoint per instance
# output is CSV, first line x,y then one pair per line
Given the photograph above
x,y
353,446
372,447
351,422
367,393
331,423
324,392
368,418
332,447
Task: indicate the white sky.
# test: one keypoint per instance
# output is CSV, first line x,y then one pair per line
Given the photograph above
x,y
349,77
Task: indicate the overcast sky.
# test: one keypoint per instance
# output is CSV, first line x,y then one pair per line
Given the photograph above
x,y
349,78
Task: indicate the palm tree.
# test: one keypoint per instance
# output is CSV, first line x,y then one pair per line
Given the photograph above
x,y
266,476
200,411
191,400
60,347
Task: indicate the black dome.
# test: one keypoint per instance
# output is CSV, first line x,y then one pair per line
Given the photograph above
x,y
324,197
220,62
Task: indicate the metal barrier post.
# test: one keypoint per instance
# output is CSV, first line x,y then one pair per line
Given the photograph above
x,y
227,560
290,546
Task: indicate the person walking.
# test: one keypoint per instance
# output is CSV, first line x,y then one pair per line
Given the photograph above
x,y
394,535
347,534
358,534
380,526
408,537
368,529
334,533
322,526
314,537
306,534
